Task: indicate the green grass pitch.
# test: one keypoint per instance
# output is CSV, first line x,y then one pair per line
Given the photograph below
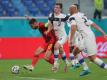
x,y
43,71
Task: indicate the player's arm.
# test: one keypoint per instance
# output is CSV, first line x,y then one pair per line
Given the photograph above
x,y
49,27
98,28
49,24
73,30
91,23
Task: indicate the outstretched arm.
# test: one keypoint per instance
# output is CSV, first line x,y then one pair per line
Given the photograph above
x,y
99,29
73,30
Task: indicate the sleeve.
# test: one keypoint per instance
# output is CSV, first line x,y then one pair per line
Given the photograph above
x,y
72,21
50,17
89,22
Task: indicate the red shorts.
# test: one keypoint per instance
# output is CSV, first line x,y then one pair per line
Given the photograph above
x,y
49,45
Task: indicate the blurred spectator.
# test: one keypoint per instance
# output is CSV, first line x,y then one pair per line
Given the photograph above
x,y
98,9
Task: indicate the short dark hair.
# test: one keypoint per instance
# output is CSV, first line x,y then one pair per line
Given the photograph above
x,y
60,4
31,21
77,5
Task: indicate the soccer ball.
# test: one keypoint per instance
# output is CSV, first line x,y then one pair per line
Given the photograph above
x,y
15,69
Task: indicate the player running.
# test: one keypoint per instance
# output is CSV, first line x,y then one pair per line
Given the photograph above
x,y
79,58
80,23
47,46
57,23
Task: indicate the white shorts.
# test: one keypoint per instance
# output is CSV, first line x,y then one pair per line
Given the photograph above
x,y
88,43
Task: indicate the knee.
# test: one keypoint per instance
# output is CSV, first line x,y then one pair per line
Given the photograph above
x,y
57,46
92,58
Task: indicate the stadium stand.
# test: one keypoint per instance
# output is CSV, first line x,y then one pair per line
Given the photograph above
x,y
23,7
105,4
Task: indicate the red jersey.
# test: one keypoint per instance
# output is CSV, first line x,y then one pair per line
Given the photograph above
x,y
49,36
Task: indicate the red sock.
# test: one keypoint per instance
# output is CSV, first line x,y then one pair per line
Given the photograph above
x,y
35,60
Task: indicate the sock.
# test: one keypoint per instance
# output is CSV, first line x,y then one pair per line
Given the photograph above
x,y
82,62
72,59
56,53
76,61
35,60
100,63
63,56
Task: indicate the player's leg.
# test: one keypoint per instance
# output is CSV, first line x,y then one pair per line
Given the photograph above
x,y
92,50
57,46
34,60
72,57
84,65
98,61
48,54
56,54
64,58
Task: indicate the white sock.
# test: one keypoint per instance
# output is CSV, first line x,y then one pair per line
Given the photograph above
x,y
56,53
82,62
85,66
100,63
72,59
63,56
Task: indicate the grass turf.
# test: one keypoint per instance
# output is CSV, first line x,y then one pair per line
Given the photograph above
x,y
43,72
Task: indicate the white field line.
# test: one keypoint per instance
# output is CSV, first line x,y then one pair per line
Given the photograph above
x,y
34,78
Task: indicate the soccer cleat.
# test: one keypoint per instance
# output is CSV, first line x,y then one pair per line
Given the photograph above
x,y
28,67
55,67
84,72
77,65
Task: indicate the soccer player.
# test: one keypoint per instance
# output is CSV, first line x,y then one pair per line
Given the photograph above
x,y
79,58
57,23
80,23
47,46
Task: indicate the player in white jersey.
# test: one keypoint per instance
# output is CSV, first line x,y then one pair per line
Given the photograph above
x,y
57,23
79,58
80,23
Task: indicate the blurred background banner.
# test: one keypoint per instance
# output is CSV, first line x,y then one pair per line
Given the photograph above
x,y
24,48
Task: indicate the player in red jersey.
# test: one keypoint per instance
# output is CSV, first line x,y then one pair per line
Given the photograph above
x,y
46,48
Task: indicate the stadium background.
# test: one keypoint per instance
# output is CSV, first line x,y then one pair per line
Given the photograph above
x,y
19,41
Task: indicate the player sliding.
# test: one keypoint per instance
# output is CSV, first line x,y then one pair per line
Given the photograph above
x,y
47,47
80,23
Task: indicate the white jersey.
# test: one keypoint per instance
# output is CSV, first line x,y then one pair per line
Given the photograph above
x,y
59,25
87,37
82,23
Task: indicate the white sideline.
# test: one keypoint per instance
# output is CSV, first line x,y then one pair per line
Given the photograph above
x,y
36,78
